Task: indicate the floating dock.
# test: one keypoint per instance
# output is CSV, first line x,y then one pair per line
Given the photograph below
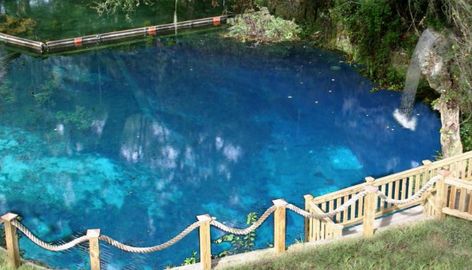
x,y
75,43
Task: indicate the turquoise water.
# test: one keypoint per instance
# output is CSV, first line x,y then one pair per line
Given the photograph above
x,y
140,139
57,19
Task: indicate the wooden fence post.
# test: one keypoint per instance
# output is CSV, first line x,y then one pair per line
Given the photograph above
x,y
279,225
205,241
308,232
370,207
426,163
441,194
94,248
11,240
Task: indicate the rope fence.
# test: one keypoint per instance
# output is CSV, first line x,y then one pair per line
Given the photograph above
x,y
366,199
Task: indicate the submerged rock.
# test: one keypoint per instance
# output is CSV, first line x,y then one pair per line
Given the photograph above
x,y
29,174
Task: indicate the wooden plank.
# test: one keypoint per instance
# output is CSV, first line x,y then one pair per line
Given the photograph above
x,y
345,212
457,213
352,210
470,202
417,183
469,169
452,197
459,183
338,215
403,189
462,199
307,221
411,183
398,189
331,205
322,230
360,208
390,192
383,189
323,207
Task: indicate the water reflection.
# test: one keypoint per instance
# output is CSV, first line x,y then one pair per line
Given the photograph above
x,y
57,19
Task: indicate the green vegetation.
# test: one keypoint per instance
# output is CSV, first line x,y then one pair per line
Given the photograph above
x,y
466,134
7,95
239,244
192,259
430,245
4,264
378,29
261,26
80,118
112,6
15,26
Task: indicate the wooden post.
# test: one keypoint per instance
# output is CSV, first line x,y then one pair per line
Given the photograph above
x,y
426,163
11,240
308,232
441,194
370,206
205,242
94,249
279,225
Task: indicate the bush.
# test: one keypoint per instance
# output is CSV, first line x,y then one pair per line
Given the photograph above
x,y
261,26
15,26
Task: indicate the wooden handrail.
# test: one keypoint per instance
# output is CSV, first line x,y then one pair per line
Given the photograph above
x,y
459,183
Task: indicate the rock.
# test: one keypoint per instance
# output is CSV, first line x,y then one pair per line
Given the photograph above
x,y
435,65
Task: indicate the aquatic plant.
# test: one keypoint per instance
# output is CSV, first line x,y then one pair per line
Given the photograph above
x,y
239,243
7,94
44,95
261,26
14,26
80,118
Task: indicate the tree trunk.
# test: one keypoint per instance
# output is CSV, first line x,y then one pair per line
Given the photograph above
x,y
451,144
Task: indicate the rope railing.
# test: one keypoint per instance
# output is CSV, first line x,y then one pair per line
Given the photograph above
x,y
11,223
151,249
48,246
427,186
247,230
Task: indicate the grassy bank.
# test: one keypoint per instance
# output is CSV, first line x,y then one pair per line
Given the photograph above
x,y
430,245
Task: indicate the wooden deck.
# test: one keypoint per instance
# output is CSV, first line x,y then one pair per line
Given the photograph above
x,y
396,219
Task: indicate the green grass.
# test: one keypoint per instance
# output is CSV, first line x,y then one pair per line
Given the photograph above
x,y
429,245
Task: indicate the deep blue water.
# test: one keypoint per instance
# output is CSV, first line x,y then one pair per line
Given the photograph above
x,y
138,140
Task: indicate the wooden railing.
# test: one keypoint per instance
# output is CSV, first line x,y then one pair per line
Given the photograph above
x,y
319,229
457,199
396,186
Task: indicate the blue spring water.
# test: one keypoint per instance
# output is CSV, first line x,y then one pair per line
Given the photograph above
x,y
140,139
